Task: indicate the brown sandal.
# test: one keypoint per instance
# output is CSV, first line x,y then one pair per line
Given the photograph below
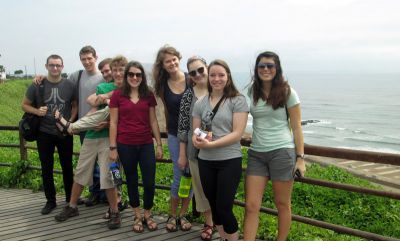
x,y
173,222
137,225
185,224
207,232
150,223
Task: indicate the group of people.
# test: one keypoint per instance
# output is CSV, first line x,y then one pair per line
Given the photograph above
x,y
204,98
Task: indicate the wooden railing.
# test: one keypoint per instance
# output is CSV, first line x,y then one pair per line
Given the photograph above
x,y
366,156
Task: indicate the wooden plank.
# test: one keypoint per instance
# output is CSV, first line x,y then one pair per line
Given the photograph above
x,y
21,220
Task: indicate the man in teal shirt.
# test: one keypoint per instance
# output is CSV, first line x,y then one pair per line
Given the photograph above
x,y
96,144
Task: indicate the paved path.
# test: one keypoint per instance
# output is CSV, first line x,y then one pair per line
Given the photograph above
x,y
384,174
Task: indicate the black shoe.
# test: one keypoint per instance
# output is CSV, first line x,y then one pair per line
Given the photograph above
x,y
115,220
66,213
80,201
122,206
48,207
93,199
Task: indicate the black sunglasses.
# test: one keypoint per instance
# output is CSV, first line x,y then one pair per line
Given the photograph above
x,y
268,65
193,73
131,75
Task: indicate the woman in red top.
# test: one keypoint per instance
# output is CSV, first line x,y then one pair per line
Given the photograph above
x,y
132,122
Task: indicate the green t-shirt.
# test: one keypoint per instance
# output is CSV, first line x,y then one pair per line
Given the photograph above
x,y
271,130
102,88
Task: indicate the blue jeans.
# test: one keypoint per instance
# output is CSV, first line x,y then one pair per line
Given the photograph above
x,y
144,155
173,147
95,188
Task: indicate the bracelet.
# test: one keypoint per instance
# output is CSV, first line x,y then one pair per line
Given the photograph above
x,y
113,148
300,156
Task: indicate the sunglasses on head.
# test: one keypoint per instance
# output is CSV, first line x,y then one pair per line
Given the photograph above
x,y
131,75
193,73
268,65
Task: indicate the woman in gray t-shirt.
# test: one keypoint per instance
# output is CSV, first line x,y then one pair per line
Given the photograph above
x,y
220,155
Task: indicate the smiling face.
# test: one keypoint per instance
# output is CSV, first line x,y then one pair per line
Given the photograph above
x,y
217,77
54,67
134,77
117,72
171,63
106,72
266,69
89,62
198,72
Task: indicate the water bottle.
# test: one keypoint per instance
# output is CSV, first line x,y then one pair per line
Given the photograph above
x,y
185,184
115,175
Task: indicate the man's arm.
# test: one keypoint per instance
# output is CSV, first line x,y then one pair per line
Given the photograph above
x,y
95,100
74,111
27,107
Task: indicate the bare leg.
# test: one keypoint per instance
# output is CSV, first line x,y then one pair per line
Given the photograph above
x,y
75,194
255,186
282,193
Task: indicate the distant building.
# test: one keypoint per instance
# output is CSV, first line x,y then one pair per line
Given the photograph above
x,y
2,76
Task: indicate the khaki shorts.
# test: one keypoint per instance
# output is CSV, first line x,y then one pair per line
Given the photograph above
x,y
202,204
92,149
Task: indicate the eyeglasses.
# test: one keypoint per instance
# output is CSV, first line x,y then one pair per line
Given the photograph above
x,y
268,65
132,75
193,73
55,66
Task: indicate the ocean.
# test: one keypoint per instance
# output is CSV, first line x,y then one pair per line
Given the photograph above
x,y
355,111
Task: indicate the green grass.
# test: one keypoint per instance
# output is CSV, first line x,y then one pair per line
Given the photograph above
x,y
359,211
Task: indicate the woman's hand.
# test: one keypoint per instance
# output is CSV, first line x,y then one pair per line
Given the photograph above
x,y
201,143
159,152
301,166
182,162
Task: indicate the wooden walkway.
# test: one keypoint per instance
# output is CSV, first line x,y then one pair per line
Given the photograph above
x,y
20,219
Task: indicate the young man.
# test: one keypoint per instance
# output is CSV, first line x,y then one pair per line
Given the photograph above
x,y
96,144
104,67
58,94
85,86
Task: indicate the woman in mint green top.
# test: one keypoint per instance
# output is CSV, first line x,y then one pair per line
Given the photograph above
x,y
277,149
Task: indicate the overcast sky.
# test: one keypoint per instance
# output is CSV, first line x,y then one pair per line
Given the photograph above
x,y
309,35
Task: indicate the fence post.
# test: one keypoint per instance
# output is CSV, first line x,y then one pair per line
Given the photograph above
x,y
23,151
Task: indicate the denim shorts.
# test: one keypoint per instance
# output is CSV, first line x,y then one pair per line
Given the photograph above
x,y
276,164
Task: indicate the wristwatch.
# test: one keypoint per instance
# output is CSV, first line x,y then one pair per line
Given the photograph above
x,y
300,156
113,148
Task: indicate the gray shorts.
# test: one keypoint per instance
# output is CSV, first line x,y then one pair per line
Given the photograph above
x,y
277,164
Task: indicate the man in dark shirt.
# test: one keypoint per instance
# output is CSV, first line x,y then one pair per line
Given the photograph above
x,y
59,94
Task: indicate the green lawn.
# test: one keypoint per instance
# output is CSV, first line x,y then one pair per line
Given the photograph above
x,y
368,213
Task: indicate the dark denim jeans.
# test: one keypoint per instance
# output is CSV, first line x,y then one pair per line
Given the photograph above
x,y
144,155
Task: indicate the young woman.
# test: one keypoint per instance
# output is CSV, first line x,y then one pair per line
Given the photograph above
x,y
132,122
197,69
170,84
275,153
224,113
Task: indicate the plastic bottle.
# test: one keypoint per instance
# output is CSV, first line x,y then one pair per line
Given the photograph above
x,y
185,184
115,175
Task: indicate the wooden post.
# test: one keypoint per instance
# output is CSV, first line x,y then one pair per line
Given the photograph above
x,y
23,151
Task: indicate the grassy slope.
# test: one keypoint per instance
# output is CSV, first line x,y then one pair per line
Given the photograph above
x,y
353,210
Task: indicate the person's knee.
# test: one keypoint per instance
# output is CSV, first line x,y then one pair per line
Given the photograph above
x,y
282,204
252,206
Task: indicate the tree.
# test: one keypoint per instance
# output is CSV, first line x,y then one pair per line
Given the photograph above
x,y
2,69
18,72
